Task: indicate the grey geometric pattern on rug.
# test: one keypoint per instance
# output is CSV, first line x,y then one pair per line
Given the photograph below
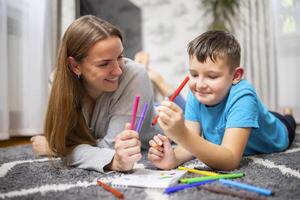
x,y
24,176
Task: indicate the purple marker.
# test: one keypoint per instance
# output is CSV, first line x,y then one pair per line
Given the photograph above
x,y
144,111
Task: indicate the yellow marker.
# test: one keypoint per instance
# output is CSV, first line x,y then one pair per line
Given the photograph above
x,y
196,171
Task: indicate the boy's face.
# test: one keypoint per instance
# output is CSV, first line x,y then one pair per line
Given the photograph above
x,y
209,81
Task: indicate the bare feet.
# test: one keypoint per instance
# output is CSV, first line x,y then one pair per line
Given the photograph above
x,y
143,58
287,111
157,79
40,146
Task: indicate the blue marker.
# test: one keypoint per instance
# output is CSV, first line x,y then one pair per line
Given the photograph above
x,y
244,186
176,188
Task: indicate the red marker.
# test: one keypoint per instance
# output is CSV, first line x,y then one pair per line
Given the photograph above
x,y
114,191
173,96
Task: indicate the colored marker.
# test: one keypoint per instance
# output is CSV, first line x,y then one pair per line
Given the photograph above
x,y
233,193
205,178
140,123
173,96
177,188
244,186
219,171
196,171
114,191
134,111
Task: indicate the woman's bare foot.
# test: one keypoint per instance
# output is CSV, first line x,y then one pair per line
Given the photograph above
x,y
40,146
157,79
143,58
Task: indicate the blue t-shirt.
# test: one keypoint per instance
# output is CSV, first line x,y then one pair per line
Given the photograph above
x,y
242,108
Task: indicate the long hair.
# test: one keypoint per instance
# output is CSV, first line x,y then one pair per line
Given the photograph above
x,y
65,126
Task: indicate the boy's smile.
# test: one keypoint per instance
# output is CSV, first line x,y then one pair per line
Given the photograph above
x,y
210,81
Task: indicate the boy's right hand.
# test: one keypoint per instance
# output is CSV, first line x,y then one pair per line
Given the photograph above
x,y
161,153
171,121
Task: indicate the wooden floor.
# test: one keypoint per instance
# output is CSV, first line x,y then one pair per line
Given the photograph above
x,y
14,141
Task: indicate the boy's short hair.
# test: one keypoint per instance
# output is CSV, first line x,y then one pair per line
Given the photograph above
x,y
216,45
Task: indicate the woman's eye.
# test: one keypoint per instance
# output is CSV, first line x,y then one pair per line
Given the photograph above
x,y
103,64
120,57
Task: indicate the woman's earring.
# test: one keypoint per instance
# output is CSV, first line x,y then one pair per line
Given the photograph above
x,y
79,76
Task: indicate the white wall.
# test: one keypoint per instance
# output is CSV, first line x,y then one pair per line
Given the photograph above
x,y
168,26
287,23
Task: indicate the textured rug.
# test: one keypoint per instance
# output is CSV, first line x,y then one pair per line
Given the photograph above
x,y
24,176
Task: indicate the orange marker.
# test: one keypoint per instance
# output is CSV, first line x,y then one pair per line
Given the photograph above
x,y
173,96
114,191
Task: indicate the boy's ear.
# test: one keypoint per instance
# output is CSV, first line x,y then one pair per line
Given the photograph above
x,y
238,75
74,66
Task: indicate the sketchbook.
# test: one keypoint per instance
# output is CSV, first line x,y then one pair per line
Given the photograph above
x,y
148,178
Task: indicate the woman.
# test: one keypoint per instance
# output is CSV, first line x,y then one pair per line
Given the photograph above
x,y
91,100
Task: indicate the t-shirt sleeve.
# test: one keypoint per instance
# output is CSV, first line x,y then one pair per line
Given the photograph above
x,y
243,112
192,108
89,157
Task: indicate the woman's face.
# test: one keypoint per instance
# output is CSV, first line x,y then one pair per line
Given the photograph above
x,y
102,68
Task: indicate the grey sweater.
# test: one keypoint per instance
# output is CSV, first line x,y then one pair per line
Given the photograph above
x,y
111,112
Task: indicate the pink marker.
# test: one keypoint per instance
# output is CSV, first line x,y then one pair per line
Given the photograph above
x,y
134,111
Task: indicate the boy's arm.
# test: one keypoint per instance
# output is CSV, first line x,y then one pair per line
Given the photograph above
x,y
186,134
235,140
225,156
183,155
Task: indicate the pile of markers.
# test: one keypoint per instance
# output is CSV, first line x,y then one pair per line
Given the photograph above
x,y
209,177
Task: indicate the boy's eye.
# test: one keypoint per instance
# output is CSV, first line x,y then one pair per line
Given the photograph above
x,y
212,76
194,75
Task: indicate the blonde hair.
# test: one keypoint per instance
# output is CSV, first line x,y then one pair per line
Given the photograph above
x,y
65,126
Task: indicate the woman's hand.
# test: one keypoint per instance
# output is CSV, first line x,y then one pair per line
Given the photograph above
x,y
128,150
40,146
161,153
171,120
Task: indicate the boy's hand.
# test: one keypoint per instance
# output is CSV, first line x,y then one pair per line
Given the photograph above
x,y
161,153
128,150
171,120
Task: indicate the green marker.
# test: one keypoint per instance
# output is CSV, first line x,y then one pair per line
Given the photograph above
x,y
206,178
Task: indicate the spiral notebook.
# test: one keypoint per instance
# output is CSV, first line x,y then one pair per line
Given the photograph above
x,y
148,178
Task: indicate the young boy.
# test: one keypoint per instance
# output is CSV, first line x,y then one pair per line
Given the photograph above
x,y
224,118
